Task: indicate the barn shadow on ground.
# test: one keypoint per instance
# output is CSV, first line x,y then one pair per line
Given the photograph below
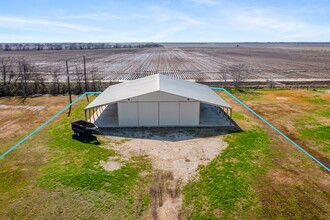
x,y
171,133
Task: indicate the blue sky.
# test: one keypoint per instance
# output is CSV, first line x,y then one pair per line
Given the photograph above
x,y
164,21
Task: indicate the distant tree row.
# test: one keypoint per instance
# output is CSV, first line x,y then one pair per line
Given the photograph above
x,y
20,77
71,46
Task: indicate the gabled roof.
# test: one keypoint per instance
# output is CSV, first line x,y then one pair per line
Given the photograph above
x,y
154,83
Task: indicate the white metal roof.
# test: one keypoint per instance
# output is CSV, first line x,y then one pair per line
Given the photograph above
x,y
154,83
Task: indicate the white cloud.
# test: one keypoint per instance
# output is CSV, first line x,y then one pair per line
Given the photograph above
x,y
164,14
166,32
171,22
279,25
268,23
93,16
205,2
42,25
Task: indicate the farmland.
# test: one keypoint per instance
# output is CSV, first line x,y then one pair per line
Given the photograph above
x,y
251,174
202,62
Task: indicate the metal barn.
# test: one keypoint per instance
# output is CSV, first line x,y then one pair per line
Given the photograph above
x,y
158,101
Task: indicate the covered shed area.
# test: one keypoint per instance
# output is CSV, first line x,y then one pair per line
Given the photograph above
x,y
158,101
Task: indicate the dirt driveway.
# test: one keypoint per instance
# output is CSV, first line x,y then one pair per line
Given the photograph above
x,y
176,153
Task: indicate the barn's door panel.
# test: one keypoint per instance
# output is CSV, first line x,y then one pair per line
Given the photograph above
x,y
189,113
148,113
168,113
128,114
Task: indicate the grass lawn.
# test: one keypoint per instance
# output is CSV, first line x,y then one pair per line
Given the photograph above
x,y
260,175
53,176
302,114
224,186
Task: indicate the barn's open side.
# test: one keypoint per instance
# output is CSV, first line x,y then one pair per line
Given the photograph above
x,y
210,116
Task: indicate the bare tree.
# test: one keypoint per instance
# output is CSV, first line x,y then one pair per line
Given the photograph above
x,y
25,68
55,85
224,76
39,47
271,83
7,72
238,73
39,86
79,80
95,78
7,47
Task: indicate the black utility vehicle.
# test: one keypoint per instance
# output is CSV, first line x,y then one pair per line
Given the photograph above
x,y
83,128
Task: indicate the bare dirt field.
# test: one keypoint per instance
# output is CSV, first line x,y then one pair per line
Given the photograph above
x,y
191,61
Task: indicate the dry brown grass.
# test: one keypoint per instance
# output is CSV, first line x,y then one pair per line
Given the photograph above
x,y
29,188
15,122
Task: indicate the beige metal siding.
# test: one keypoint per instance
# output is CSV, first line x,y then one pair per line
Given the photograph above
x,y
148,113
169,113
128,114
189,113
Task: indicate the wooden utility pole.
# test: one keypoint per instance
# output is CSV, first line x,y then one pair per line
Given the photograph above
x,y
86,85
67,73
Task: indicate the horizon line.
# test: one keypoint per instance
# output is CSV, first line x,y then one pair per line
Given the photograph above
x,y
172,42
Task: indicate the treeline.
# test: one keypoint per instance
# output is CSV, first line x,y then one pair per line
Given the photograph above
x,y
20,77
71,46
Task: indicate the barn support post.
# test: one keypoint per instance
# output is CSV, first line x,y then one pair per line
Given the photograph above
x,y
93,111
89,114
96,113
85,115
231,116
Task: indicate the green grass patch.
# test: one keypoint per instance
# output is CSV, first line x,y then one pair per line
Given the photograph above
x,y
225,186
318,101
246,94
306,120
318,134
75,165
311,128
323,112
239,116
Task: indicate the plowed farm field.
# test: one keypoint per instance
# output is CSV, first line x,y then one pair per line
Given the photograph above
x,y
190,61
